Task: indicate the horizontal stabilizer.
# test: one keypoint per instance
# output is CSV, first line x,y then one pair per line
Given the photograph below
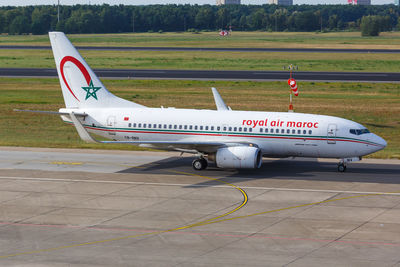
x,y
51,112
219,102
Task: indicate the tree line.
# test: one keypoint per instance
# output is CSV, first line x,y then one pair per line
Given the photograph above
x,y
114,19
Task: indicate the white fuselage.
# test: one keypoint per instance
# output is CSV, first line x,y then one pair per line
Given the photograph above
x,y
277,134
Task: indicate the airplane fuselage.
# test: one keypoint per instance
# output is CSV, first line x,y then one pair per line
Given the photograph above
x,y
277,134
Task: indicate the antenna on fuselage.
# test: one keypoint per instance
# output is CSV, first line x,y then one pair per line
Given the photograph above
x,y
293,85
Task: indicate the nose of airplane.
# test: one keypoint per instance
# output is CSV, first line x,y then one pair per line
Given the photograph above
x,y
380,141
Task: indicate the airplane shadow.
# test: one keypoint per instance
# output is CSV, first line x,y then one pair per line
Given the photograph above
x,y
283,169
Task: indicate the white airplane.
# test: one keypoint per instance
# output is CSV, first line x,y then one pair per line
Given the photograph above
x,y
230,139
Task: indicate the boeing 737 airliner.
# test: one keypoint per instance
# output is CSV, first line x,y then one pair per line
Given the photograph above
x,y
230,139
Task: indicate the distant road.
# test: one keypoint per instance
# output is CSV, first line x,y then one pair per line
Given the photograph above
x,y
213,75
218,49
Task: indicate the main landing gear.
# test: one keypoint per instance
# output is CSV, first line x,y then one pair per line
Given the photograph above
x,y
199,164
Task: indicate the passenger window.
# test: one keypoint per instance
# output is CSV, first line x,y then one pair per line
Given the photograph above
x,y
180,126
304,131
140,125
282,130
261,130
149,125
240,129
310,132
224,128
272,130
206,128
165,126
230,129
212,128
235,129
201,127
154,126
293,131
134,125
129,124
266,130
175,126
185,127
218,128
190,127
250,129
195,127
298,131
170,126
244,129
144,125
288,131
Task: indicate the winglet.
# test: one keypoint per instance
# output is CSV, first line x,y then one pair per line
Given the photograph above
x,y
84,135
219,102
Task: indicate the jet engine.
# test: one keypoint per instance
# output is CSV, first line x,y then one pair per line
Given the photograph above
x,y
246,157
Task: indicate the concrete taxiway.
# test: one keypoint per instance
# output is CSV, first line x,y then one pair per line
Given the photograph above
x,y
61,207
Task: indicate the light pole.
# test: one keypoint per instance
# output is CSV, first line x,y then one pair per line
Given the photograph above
x,y
133,21
58,11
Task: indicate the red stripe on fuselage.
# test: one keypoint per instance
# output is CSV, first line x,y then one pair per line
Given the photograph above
x,y
233,135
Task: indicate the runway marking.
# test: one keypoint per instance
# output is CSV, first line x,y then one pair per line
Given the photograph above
x,y
300,206
243,203
195,185
65,163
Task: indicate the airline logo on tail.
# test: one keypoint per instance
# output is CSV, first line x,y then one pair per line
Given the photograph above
x,y
90,89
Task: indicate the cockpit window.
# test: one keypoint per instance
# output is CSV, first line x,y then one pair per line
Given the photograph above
x,y
359,131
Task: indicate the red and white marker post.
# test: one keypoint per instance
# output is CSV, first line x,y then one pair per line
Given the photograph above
x,y
293,87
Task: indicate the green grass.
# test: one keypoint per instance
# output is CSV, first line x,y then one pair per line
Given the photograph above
x,y
211,39
375,105
209,60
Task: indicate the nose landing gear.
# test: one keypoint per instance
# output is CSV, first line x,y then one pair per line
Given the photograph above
x,y
341,167
343,163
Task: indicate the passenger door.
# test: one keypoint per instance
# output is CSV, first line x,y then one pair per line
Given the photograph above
x,y
111,121
332,133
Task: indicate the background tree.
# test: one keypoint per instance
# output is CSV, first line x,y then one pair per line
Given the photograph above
x,y
370,26
119,18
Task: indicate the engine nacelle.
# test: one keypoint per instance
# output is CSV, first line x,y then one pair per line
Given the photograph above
x,y
247,157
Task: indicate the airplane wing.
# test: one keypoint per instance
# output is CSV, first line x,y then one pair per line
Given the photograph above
x,y
219,102
188,146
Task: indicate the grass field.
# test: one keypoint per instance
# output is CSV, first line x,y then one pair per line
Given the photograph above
x,y
215,60
375,105
387,40
209,60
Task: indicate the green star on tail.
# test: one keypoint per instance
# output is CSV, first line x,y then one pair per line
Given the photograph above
x,y
91,90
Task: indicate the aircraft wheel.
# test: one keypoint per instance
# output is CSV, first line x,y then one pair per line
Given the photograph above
x,y
199,164
341,167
